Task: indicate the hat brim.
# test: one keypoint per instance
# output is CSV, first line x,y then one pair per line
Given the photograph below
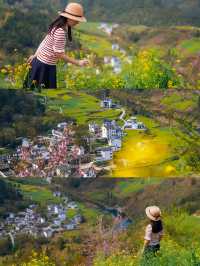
x,y
81,19
151,217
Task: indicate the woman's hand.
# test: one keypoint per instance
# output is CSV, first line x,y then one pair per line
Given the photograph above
x,y
30,59
67,59
83,62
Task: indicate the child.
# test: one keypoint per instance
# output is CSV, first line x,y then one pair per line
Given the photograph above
x,y
52,48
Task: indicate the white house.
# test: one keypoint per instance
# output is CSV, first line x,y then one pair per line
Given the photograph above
x,y
11,215
87,170
110,129
62,125
78,219
94,128
117,69
132,123
25,143
134,119
57,194
42,220
115,26
55,209
57,223
115,143
57,133
106,28
47,232
116,64
107,103
115,61
107,60
104,154
72,205
122,51
141,126
62,216
71,226
115,46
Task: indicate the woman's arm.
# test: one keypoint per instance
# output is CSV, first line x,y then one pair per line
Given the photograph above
x,y
147,237
73,61
30,59
146,243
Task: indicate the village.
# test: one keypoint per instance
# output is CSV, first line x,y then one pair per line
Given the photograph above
x,y
57,155
31,222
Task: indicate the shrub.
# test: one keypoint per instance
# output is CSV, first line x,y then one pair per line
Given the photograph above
x,y
148,71
39,260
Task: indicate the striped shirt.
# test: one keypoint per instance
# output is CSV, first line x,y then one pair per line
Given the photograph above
x,y
53,43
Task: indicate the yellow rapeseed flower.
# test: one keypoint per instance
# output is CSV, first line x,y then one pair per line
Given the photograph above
x,y
4,71
170,84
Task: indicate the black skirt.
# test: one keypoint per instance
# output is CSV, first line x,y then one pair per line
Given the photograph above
x,y
40,76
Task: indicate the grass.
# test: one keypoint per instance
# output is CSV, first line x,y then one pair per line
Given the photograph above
x,y
32,181
78,105
97,196
4,84
192,45
101,46
178,102
184,232
38,194
124,188
4,150
71,213
91,215
91,28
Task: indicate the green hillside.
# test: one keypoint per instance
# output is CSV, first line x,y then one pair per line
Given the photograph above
x,y
148,12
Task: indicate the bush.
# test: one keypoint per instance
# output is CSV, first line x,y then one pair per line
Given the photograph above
x,y
170,254
39,260
149,71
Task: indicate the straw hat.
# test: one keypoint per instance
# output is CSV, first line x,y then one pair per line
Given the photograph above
x,y
153,213
73,11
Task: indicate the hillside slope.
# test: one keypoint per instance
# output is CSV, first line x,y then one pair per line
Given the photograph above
x,y
148,12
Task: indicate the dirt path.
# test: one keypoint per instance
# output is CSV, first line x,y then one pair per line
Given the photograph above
x,y
122,114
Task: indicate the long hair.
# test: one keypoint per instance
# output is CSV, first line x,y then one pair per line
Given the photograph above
x,y
60,22
157,226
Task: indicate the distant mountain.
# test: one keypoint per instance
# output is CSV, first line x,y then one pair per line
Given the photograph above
x,y
148,12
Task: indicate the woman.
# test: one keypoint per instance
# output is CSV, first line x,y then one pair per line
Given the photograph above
x,y
52,48
154,231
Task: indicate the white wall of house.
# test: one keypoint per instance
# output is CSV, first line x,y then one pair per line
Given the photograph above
x,y
104,132
104,155
89,173
106,103
115,143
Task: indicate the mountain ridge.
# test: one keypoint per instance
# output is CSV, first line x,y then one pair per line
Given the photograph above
x,y
148,12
